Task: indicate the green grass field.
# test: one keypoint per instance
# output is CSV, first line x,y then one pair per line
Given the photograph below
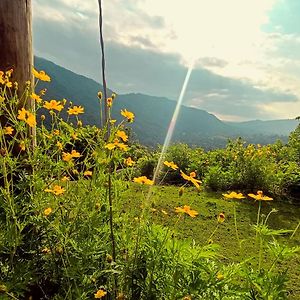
x,y
200,229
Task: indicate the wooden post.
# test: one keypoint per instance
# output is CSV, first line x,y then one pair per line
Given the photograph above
x,y
16,45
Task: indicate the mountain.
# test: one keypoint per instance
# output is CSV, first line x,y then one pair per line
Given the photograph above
x,y
280,127
153,114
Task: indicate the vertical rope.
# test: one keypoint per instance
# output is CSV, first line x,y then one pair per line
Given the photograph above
x,y
103,66
106,124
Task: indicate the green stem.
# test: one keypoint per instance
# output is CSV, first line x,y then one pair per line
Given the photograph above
x,y
235,225
294,232
258,215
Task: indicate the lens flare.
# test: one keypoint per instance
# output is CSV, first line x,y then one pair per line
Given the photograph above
x,y
171,128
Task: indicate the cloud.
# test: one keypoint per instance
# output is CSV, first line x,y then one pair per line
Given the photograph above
x,y
241,73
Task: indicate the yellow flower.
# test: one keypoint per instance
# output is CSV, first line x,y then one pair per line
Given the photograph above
x,y
36,97
8,130
220,276
99,95
187,210
109,102
26,116
1,99
110,146
65,178
112,122
128,115
22,113
260,196
171,165
164,212
129,162
122,135
122,146
9,84
191,178
143,180
53,105
221,218
41,75
74,136
56,132
57,190
113,96
22,146
234,195
100,294
75,110
47,211
69,156
46,250
59,145
116,144
88,173
31,121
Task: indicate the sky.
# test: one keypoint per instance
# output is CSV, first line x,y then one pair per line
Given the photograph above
x,y
245,53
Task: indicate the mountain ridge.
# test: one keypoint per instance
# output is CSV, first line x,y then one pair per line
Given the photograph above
x,y
153,113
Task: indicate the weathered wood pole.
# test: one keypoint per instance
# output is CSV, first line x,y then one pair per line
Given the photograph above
x,y
16,44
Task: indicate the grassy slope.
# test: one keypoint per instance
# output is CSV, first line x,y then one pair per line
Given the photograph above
x,y
209,205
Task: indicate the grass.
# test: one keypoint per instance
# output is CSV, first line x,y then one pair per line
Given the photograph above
x,y
200,229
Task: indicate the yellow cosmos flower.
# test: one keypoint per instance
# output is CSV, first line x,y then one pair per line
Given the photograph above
x,y
116,144
36,98
41,75
171,165
221,218
59,145
22,146
31,121
191,178
65,178
187,210
75,110
129,162
22,113
100,294
88,173
8,84
128,115
122,135
69,156
8,130
74,136
143,180
56,190
109,102
260,196
234,195
47,211
28,117
53,105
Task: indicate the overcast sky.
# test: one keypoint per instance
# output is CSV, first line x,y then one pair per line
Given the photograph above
x,y
246,52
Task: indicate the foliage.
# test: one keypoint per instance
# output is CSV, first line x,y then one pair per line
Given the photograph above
x,y
64,232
